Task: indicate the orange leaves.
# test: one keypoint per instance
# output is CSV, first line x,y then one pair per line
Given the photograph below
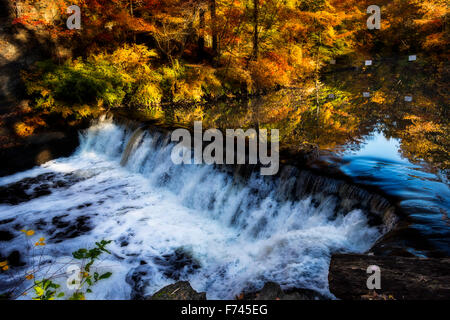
x,y
436,40
28,233
41,242
28,126
4,265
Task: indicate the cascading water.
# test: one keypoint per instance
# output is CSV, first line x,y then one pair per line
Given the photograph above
x,y
181,222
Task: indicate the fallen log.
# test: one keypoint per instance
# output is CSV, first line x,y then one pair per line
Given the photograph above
x,y
401,278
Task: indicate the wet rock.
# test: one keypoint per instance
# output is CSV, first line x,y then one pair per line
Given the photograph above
x,y
6,221
406,241
38,149
273,291
270,291
303,294
14,259
41,224
181,290
59,223
31,188
139,279
13,194
177,264
402,278
70,229
6,235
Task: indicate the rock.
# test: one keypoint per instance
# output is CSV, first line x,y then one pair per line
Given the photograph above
x,y
37,150
6,235
31,188
270,291
14,259
139,279
273,291
180,290
402,278
407,241
6,221
69,229
177,264
303,294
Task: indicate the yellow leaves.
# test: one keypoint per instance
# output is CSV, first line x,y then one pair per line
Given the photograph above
x,y
129,57
28,233
85,110
378,97
147,95
4,265
41,242
28,126
269,72
327,115
436,40
420,126
23,130
39,291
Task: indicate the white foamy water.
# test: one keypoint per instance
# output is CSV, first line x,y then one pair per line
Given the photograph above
x,y
170,222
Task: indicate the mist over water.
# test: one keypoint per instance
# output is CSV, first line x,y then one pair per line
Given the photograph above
x,y
178,222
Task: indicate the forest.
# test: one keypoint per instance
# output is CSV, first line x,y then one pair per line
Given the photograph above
x,y
175,59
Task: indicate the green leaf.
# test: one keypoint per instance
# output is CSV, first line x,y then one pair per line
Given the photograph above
x,y
39,291
88,266
79,254
105,276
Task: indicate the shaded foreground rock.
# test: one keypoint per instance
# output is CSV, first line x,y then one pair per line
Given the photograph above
x,y
180,290
402,278
37,150
273,291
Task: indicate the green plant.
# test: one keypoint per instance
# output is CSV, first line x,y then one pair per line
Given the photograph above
x,y
89,277
46,289
49,288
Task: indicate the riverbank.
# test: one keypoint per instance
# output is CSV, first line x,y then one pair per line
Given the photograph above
x,y
30,138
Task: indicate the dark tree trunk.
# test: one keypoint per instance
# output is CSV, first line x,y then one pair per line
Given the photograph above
x,y
215,40
255,29
132,15
201,38
402,278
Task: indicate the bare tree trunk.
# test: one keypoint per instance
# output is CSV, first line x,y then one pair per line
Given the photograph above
x,y
201,38
215,40
132,15
317,76
255,29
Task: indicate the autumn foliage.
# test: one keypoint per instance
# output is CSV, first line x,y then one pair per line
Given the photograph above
x,y
156,54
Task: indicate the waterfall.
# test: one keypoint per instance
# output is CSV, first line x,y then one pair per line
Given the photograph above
x,y
132,144
224,229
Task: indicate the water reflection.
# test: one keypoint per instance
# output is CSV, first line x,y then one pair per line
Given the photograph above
x,y
422,194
